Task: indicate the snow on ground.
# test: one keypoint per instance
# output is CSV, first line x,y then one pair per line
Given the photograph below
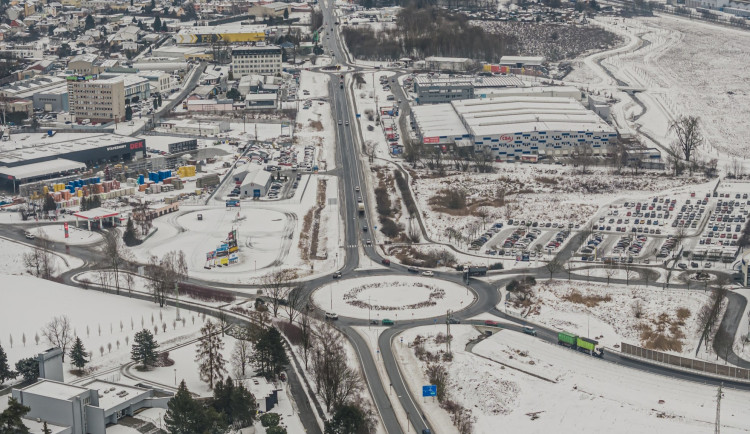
x,y
76,235
607,313
315,124
684,68
542,193
99,319
11,258
598,396
387,297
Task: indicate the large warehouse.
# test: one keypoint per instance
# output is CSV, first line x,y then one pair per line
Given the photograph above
x,y
27,157
229,33
514,126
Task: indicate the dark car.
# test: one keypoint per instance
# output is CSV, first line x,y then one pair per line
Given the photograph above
x,y
452,320
364,228
412,270
386,262
337,275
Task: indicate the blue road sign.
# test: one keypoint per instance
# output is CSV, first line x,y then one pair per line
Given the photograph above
x,y
430,390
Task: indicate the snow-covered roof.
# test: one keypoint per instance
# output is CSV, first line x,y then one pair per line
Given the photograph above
x,y
524,60
96,214
515,114
42,168
115,394
438,120
55,389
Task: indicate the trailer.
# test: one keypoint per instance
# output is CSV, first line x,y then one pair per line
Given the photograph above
x,y
567,339
361,208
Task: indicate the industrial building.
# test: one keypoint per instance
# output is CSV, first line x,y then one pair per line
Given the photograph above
x,y
256,60
27,157
435,89
513,126
458,64
96,100
255,184
228,33
86,409
194,127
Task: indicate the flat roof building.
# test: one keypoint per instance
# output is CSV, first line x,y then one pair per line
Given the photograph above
x,y
433,89
86,409
95,99
256,60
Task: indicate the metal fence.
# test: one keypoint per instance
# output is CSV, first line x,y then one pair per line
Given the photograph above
x,y
686,363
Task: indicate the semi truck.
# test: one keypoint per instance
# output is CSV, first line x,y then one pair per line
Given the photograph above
x,y
580,343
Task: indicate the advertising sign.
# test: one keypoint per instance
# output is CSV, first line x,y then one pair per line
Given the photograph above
x,y
427,140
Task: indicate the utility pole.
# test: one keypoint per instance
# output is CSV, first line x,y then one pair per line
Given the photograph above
x,y
448,332
717,426
177,298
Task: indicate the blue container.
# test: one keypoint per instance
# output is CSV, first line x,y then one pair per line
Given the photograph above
x,y
140,179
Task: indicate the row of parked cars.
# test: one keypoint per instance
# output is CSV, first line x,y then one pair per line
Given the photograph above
x,y
667,247
482,240
726,223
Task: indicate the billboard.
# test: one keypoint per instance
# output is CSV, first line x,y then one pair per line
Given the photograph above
x,y
427,140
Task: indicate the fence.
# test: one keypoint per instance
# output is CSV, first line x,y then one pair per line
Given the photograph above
x,y
712,369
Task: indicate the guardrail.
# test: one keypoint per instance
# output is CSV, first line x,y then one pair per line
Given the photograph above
x,y
691,365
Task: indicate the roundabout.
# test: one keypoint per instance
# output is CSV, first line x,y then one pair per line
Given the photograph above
x,y
392,297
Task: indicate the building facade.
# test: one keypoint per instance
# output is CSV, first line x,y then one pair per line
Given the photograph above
x,y
97,100
256,60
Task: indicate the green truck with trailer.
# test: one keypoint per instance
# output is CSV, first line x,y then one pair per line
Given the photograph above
x,y
580,343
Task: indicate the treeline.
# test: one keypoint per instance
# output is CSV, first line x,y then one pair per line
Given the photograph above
x,y
428,31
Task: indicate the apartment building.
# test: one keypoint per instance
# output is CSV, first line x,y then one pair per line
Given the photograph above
x,y
256,60
100,100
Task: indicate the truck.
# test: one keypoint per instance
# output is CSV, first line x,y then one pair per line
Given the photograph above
x,y
472,271
361,208
580,343
232,202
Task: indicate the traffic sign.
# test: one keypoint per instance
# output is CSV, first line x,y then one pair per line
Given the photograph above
x,y
430,390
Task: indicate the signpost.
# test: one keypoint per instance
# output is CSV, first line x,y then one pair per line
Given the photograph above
x,y
429,390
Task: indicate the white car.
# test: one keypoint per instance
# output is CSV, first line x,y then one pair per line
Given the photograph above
x,y
331,315
428,273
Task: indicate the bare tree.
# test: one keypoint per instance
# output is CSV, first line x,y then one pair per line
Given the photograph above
x,y
113,255
637,308
584,157
307,335
553,266
58,333
723,342
689,137
610,271
142,216
294,302
369,149
276,285
40,261
240,357
335,381
165,274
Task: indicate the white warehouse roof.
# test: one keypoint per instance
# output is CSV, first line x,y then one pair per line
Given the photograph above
x,y
508,115
438,120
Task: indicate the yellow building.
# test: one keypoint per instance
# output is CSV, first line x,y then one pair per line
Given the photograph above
x,y
229,34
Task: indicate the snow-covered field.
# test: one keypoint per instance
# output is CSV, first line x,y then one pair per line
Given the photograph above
x,y
99,319
577,393
684,68
11,259
607,313
396,298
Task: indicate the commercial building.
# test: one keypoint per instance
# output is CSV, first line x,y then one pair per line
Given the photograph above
x,y
515,126
98,100
256,60
31,156
228,33
86,409
85,64
435,89
52,99
275,9
261,100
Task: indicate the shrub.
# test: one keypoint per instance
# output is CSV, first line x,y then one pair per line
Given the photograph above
x,y
403,186
383,202
269,419
390,228
276,430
